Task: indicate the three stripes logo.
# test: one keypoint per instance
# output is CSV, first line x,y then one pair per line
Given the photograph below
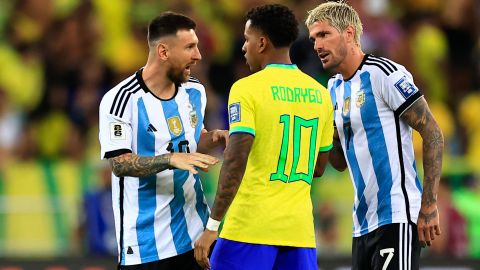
x,y
151,128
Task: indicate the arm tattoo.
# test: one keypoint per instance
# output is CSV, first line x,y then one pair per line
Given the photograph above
x,y
231,174
137,166
419,117
428,217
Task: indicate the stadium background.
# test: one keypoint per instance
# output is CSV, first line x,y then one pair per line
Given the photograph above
x,y
58,57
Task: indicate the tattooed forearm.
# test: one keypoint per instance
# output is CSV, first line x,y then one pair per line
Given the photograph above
x,y
428,216
336,157
421,119
137,166
231,174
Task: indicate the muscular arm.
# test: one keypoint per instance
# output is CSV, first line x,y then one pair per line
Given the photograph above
x,y
322,161
140,166
132,165
231,174
419,117
336,157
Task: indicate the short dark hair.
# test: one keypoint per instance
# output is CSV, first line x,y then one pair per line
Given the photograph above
x,y
168,23
276,21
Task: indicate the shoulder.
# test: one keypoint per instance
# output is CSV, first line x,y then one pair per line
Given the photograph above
x,y
115,100
194,84
381,66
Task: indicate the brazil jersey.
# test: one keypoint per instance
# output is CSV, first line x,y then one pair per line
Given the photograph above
x,y
291,117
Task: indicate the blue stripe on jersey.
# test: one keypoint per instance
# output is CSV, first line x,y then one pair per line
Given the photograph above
x,y
147,190
417,180
200,206
361,210
178,224
378,151
333,94
195,98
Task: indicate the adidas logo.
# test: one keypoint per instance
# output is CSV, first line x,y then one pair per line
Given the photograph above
x,y
151,128
129,250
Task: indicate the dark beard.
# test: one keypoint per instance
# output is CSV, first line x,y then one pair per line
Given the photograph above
x,y
176,77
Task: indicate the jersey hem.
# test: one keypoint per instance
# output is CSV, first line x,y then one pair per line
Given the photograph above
x,y
270,242
373,228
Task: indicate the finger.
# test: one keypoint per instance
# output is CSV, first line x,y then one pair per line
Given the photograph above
x,y
421,238
205,158
437,230
426,233
432,233
423,244
429,243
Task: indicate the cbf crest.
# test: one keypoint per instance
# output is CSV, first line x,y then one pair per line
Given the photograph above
x,y
193,115
346,106
360,99
175,125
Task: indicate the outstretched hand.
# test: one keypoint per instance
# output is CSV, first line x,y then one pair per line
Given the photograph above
x,y
209,140
428,224
188,161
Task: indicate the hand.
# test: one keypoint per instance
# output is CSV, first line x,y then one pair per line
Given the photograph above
x,y
188,161
202,248
210,140
428,224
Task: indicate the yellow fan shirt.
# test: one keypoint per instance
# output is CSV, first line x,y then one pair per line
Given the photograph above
x,y
291,117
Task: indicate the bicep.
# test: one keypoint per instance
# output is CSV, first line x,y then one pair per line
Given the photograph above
x,y
419,116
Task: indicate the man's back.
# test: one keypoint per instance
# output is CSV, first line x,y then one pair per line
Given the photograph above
x,y
290,115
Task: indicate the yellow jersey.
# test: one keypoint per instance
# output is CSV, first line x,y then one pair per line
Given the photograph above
x,y
291,117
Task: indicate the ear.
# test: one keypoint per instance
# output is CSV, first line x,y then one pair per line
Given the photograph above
x,y
162,51
350,34
262,44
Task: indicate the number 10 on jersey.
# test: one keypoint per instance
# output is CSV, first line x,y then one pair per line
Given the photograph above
x,y
299,125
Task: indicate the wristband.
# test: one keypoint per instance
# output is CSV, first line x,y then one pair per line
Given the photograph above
x,y
212,224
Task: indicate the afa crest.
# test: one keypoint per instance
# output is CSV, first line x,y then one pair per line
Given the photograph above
x,y
175,125
193,115
346,106
360,99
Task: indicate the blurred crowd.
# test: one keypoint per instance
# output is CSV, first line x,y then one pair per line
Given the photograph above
x,y
58,58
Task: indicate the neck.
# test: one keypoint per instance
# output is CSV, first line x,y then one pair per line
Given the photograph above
x,y
277,56
352,61
155,77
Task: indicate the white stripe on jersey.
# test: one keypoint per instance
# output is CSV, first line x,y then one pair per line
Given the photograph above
x,y
164,214
377,144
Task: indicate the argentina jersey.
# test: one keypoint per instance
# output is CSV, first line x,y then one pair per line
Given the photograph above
x,y
377,143
159,216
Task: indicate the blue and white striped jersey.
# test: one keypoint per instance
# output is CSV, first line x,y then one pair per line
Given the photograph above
x,y
159,216
377,143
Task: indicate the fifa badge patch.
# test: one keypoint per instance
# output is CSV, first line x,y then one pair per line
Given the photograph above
x,y
405,88
117,131
193,115
346,106
360,99
175,125
234,112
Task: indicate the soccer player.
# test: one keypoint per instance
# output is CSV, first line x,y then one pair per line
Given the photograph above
x,y
151,131
376,106
281,123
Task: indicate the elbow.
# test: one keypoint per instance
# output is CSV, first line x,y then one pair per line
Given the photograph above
x,y
339,167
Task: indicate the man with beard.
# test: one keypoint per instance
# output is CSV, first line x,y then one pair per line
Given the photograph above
x,y
376,106
151,131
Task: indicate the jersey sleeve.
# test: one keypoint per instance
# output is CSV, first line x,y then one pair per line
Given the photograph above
x,y
326,142
115,132
241,113
399,91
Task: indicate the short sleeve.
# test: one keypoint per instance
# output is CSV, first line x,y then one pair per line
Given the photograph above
x,y
115,133
399,91
326,142
241,116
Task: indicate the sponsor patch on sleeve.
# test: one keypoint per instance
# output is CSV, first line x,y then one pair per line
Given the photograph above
x,y
117,131
234,112
405,87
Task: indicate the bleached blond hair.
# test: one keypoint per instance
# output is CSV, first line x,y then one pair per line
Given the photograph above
x,y
339,15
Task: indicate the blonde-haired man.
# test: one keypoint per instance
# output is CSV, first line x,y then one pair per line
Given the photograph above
x,y
376,106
